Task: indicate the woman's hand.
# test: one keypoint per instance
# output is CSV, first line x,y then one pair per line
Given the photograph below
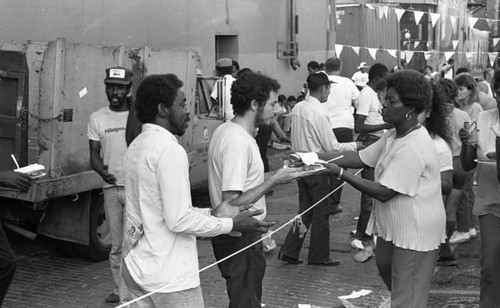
x,y
331,169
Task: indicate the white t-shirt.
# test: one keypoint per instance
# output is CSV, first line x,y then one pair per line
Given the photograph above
x,y
369,106
360,79
457,119
444,152
108,128
339,106
234,164
225,86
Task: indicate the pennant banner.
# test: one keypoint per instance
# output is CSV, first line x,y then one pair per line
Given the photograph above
x,y
380,12
448,55
492,56
356,49
338,49
427,55
386,11
495,41
472,21
373,53
434,18
418,16
399,13
409,55
416,43
455,44
429,44
469,56
392,52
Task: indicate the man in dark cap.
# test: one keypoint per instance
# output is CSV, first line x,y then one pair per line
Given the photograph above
x,y
106,133
310,119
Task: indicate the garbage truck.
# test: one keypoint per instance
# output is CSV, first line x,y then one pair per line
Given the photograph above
x,y
47,92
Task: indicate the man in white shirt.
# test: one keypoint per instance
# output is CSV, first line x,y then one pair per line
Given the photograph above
x,y
339,109
311,132
360,78
222,88
106,133
235,169
161,225
370,127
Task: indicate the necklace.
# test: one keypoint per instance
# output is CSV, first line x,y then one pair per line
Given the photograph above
x,y
409,130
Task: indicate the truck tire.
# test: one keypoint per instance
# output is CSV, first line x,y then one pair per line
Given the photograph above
x,y
99,236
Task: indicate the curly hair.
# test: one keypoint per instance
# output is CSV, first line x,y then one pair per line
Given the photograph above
x,y
438,121
450,90
413,89
466,80
155,90
251,86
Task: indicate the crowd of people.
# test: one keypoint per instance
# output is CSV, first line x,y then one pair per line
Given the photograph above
x,y
423,140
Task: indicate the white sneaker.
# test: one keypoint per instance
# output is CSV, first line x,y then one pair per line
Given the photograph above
x,y
459,237
357,244
472,233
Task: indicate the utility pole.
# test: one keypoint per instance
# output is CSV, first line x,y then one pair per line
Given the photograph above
x,y
331,36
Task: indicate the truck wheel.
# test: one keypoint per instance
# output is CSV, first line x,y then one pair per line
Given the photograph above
x,y
99,236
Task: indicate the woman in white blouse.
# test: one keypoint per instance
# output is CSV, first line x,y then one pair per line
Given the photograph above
x,y
487,205
408,216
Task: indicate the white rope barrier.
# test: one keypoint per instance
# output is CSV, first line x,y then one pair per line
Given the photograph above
x,y
237,252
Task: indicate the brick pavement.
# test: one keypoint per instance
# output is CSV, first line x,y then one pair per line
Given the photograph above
x,y
47,279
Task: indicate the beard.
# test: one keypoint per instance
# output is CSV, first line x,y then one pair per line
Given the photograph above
x,y
260,120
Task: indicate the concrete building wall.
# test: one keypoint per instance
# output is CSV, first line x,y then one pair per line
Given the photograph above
x,y
179,24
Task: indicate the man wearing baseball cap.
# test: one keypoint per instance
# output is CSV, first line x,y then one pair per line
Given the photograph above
x,y
311,132
106,133
360,78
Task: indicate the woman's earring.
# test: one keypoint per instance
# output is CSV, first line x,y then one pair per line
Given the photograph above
x,y
408,116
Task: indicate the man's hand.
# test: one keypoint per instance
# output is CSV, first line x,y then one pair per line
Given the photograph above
x,y
107,177
227,210
285,175
244,222
14,179
464,135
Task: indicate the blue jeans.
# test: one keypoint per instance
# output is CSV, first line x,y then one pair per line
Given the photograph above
x,y
114,205
190,298
243,272
311,189
490,261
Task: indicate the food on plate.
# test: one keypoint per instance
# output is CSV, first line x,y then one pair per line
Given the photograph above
x,y
33,170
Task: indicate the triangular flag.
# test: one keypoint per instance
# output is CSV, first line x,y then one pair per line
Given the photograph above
x,y
492,56
386,11
356,49
495,41
373,53
418,16
380,12
427,55
429,44
448,55
472,21
453,20
370,6
338,49
434,18
406,43
416,43
455,44
399,13
469,56
490,22
409,55
392,52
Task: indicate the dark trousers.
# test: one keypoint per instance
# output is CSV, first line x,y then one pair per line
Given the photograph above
x,y
243,272
464,206
342,134
490,261
366,202
7,264
262,138
311,190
